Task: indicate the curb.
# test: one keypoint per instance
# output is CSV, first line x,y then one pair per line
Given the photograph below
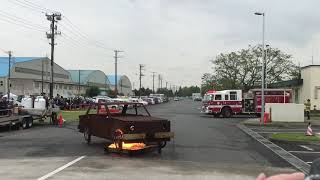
x,y
277,124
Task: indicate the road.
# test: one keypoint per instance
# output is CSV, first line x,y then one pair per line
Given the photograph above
x,y
304,151
204,147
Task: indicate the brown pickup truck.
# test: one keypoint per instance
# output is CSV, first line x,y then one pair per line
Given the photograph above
x,y
128,127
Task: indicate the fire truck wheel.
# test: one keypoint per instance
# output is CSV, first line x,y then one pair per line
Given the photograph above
x,y
226,112
216,115
87,135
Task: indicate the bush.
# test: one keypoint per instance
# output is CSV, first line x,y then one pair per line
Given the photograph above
x,y
92,91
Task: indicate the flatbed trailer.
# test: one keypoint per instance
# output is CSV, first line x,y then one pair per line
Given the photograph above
x,y
8,118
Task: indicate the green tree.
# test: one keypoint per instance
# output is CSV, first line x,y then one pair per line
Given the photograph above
x,y
242,69
165,91
92,91
144,92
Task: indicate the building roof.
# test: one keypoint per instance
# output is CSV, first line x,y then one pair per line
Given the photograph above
x,y
4,63
111,79
289,83
84,76
312,65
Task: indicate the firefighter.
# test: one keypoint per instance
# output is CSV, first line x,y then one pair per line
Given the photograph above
x,y
307,108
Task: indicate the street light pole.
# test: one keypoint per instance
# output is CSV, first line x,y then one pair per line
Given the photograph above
x,y
265,68
263,63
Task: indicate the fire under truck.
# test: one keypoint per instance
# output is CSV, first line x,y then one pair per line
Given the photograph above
x,y
231,102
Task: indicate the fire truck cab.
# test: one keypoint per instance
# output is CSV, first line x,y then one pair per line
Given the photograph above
x,y
229,102
225,103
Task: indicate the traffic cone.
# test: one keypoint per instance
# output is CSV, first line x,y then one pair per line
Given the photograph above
x,y
309,130
60,120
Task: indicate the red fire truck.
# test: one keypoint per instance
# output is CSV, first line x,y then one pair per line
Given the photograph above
x,y
230,102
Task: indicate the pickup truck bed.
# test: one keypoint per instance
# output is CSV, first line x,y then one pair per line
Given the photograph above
x,y
132,118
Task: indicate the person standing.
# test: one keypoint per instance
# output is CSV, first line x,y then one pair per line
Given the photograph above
x,y
307,108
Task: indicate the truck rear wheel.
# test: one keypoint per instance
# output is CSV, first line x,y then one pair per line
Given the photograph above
x,y
24,123
87,135
30,122
226,112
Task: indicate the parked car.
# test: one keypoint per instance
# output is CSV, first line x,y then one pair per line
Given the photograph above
x,y
124,127
156,100
176,99
150,101
137,100
104,98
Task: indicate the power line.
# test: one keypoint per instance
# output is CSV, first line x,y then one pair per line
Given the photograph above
x,y
85,36
25,5
20,20
77,39
39,6
21,24
72,43
72,27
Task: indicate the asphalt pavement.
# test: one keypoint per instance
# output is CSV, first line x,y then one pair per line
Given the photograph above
x,y
305,151
204,147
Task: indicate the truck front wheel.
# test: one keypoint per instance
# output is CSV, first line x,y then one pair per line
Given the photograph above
x,y
226,112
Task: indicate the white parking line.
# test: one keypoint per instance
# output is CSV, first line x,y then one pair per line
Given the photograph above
x,y
60,168
306,147
305,152
270,132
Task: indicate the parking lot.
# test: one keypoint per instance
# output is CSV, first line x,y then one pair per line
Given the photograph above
x,y
203,147
304,151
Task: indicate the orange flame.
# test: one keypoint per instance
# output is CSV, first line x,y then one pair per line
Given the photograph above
x,y
129,146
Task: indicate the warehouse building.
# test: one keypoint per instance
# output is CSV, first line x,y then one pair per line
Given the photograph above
x,y
123,84
90,78
31,76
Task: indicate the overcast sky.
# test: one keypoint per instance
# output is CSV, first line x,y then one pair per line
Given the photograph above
x,y
175,38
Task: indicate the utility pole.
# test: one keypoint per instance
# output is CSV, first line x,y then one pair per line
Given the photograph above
x,y
121,86
53,18
9,75
116,71
42,69
166,84
153,74
140,77
79,82
312,55
160,82
159,77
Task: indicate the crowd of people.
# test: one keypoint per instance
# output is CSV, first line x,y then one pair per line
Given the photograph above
x,y
72,103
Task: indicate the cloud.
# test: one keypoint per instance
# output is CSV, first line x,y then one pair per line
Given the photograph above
x,y
175,38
